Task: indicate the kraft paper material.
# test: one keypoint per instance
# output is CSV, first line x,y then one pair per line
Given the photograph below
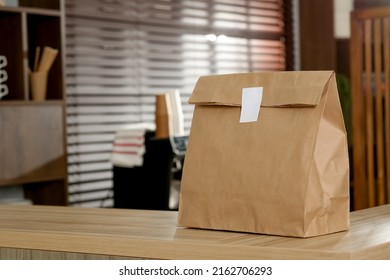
x,y
285,174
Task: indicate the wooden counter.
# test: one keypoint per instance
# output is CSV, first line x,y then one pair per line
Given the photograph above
x,y
47,232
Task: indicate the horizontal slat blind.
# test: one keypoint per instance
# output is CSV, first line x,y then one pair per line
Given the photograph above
x,y
121,53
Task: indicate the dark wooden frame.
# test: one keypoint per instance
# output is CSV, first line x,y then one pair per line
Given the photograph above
x,y
33,133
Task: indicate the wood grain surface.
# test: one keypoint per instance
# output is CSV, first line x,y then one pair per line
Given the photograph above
x,y
53,232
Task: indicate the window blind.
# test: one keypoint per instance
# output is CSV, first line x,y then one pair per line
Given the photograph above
x,y
121,53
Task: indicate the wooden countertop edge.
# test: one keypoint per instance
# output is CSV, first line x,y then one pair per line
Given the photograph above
x,y
154,249
372,253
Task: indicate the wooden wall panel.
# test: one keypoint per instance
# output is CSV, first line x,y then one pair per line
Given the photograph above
x,y
32,147
361,4
318,47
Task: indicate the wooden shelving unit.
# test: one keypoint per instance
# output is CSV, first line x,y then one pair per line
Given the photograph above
x,y
33,134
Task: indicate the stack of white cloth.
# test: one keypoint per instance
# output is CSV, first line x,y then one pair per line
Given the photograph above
x,y
129,144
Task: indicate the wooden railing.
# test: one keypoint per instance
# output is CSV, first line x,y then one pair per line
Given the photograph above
x,y
370,86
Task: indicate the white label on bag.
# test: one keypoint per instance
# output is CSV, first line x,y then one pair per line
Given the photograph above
x,y
250,105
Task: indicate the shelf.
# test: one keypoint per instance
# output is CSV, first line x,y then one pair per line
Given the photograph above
x,y
33,142
32,147
44,31
52,102
27,29
37,11
42,4
5,183
12,47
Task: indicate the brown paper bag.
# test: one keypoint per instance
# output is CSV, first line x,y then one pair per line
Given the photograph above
x,y
286,173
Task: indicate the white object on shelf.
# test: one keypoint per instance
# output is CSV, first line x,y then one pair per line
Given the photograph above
x,y
3,74
13,195
129,144
177,113
10,3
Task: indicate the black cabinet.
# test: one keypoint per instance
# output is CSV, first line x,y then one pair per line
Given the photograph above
x,y
148,186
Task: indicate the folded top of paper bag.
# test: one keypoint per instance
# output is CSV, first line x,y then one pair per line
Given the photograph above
x,y
300,88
